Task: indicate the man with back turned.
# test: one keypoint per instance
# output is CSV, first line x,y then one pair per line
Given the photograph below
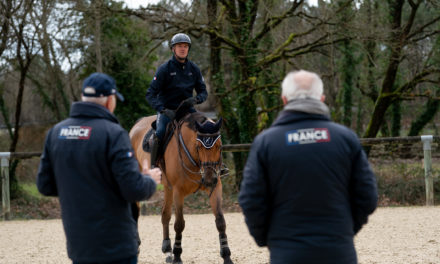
x,y
307,187
88,163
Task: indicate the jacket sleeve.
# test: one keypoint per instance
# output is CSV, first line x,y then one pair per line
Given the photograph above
x,y
46,183
133,185
253,197
202,94
364,190
156,86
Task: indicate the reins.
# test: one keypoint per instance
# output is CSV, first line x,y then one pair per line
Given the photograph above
x,y
181,144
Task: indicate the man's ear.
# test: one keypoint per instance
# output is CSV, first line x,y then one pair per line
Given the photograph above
x,y
322,98
110,104
284,99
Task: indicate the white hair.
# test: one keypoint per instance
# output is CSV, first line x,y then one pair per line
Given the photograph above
x,y
302,84
97,100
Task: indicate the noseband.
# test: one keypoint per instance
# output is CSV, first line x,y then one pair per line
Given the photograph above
x,y
208,141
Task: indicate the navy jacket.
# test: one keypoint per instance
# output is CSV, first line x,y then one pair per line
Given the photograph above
x,y
88,162
307,189
174,82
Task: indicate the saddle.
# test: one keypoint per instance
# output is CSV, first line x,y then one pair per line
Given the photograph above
x,y
147,142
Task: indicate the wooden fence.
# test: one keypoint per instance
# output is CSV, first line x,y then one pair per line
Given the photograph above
x,y
427,143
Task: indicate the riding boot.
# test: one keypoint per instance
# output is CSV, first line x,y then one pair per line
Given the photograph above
x,y
154,151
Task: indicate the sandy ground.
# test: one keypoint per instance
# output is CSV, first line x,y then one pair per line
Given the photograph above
x,y
393,235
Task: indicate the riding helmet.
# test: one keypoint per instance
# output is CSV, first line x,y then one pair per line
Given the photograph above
x,y
180,38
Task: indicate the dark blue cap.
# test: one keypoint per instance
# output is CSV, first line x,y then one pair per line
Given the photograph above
x,y
99,85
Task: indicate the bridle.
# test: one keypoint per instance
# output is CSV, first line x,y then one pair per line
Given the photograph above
x,y
207,141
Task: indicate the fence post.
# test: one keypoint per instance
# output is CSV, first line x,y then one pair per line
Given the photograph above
x,y
4,172
429,183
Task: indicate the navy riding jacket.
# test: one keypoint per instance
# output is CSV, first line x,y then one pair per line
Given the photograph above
x,y
174,82
307,189
88,163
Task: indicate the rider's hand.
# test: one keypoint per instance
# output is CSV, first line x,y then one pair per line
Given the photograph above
x,y
169,113
155,174
190,101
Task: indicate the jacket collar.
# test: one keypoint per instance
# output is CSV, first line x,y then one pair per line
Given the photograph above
x,y
174,60
290,116
308,105
303,109
91,110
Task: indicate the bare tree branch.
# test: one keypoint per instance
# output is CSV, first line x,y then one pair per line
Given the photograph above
x,y
274,21
422,28
417,79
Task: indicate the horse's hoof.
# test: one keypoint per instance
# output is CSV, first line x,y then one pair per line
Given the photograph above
x,y
169,258
177,262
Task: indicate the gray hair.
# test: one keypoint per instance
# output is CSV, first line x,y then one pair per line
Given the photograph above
x,y
302,84
97,100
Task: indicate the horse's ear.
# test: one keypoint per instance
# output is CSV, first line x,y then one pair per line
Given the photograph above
x,y
218,125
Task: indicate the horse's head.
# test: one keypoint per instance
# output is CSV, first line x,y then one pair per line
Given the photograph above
x,y
209,146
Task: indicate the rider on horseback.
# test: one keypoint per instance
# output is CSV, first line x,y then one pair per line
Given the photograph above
x,y
174,83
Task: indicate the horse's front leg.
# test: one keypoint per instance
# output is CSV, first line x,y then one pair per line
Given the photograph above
x,y
166,217
179,225
216,204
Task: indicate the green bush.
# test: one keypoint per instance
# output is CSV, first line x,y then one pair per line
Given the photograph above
x,y
402,182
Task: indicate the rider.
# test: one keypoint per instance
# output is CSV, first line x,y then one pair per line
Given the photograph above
x,y
173,84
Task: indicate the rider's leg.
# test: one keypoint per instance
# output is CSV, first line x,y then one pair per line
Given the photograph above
x,y
161,125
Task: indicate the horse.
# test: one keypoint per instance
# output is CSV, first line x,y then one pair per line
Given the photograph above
x,y
191,162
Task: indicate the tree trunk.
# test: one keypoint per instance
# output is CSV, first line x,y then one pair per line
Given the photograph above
x,y
6,14
348,72
396,118
98,5
431,109
384,100
224,106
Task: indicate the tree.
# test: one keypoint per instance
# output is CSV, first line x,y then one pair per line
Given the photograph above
x,y
237,28
124,49
22,50
53,84
404,31
348,64
7,10
433,104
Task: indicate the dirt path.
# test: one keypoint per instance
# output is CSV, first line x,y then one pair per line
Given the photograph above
x,y
393,235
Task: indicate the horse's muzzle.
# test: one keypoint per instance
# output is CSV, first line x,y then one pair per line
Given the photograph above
x,y
209,178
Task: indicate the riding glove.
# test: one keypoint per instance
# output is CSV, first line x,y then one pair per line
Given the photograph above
x,y
190,101
169,113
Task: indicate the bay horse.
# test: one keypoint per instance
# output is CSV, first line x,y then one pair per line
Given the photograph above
x,y
191,162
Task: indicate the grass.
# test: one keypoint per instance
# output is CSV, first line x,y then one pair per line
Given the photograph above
x,y
33,205
30,190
